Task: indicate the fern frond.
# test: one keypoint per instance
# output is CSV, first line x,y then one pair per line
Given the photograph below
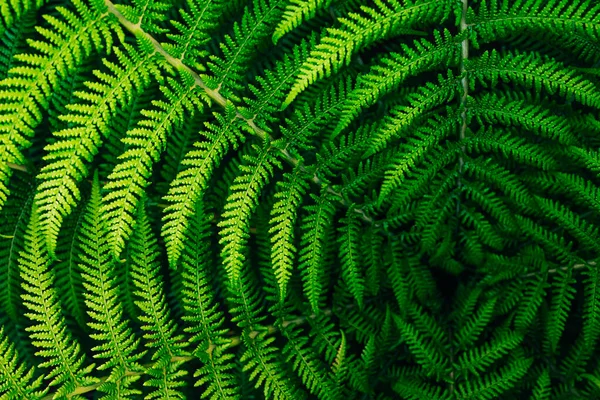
x,y
147,14
553,16
258,20
189,185
16,380
477,360
198,22
563,294
297,11
12,12
591,324
13,33
312,246
434,363
117,345
161,332
145,143
409,154
309,368
260,358
68,273
467,334
542,390
78,143
491,386
15,215
385,19
533,71
201,312
283,218
533,296
242,200
48,331
416,389
25,92
394,68
526,112
425,99
350,256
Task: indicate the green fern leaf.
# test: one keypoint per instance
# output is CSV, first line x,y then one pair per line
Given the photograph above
x,y
161,332
241,202
16,381
48,332
25,92
189,185
283,218
117,345
80,142
386,19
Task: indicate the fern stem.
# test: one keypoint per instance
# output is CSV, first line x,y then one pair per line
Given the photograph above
x,y
218,98
555,270
464,55
17,167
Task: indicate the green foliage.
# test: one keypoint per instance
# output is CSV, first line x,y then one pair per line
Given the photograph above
x,y
297,199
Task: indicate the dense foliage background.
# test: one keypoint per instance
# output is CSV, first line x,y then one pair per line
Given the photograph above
x,y
331,199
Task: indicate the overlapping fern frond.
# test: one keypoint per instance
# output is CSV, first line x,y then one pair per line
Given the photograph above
x,y
298,199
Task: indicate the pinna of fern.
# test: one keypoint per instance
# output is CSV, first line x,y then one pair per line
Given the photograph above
x,y
299,199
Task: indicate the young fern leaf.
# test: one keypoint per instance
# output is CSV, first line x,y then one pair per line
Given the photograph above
x,y
161,332
117,343
48,331
15,216
238,49
68,273
491,386
79,142
591,321
563,295
201,313
25,92
190,184
297,11
283,218
550,75
242,201
16,380
312,246
194,30
552,16
350,256
427,98
386,19
145,143
393,69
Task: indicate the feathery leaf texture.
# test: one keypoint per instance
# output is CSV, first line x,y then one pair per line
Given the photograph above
x,y
294,199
